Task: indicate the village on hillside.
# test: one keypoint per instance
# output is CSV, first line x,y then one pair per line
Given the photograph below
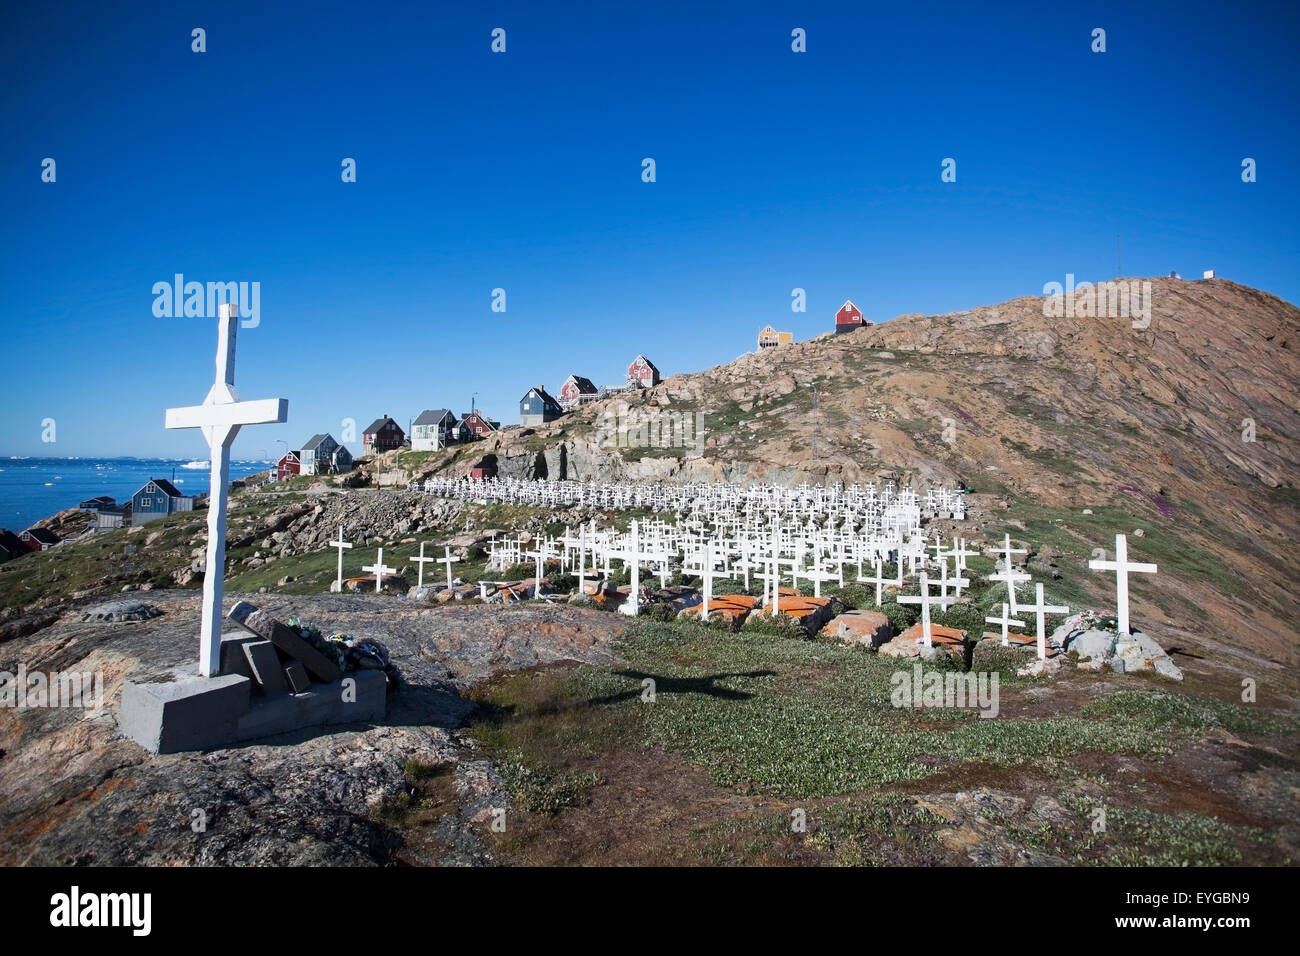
x,y
431,430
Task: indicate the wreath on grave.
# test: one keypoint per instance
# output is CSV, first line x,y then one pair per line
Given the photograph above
x,y
1090,620
333,649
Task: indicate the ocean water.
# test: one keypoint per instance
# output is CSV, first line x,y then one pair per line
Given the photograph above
x,y
35,488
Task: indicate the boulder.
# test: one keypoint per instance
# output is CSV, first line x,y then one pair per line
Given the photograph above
x,y
867,628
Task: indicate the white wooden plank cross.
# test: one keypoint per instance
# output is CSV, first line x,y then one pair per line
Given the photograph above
x,y
1040,610
708,574
879,580
380,570
421,561
341,545
1005,620
220,417
1009,573
448,560
1122,567
926,599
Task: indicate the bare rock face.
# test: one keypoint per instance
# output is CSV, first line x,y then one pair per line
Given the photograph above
x,y
74,791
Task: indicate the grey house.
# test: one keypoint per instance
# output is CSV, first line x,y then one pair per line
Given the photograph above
x,y
322,455
434,430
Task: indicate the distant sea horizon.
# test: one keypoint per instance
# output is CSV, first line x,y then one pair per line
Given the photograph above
x,y
32,488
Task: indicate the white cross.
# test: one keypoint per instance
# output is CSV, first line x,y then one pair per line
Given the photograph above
x,y
1005,620
448,560
879,581
708,574
379,569
926,599
341,545
1009,574
220,417
582,560
421,561
1122,568
1040,610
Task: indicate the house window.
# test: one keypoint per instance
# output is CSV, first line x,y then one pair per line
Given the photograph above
x,y
146,502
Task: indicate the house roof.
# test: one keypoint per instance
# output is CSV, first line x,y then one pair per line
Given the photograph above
x,y
314,441
10,542
433,416
101,499
43,535
379,423
585,385
544,395
165,486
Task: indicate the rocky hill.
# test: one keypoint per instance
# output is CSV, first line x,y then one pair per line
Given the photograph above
x,y
1189,425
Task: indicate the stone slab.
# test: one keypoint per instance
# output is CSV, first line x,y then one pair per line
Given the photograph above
x,y
286,639
319,705
296,675
265,667
186,712
232,656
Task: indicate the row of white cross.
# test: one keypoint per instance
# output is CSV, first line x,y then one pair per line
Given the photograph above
x,y
379,569
854,506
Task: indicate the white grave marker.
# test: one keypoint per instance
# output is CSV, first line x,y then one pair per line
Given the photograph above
x,y
380,570
1122,568
341,545
220,417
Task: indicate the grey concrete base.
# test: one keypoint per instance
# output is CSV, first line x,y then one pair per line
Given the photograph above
x,y
187,712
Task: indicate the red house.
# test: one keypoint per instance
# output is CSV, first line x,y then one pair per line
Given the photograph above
x,y
485,469
642,373
38,539
477,425
848,318
384,434
288,466
576,391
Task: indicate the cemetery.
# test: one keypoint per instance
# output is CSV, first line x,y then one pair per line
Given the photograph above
x,y
431,655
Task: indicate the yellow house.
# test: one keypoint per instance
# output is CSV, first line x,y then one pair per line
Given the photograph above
x,y
770,338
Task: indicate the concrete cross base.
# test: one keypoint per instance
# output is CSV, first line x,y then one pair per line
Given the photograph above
x,y
183,711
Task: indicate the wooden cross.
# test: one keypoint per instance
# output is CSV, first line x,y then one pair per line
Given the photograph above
x,y
448,560
879,581
1040,610
1122,568
341,545
926,599
1009,574
379,569
220,417
421,561
1005,620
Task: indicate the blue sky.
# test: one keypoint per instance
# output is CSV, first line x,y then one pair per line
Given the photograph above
x,y
522,171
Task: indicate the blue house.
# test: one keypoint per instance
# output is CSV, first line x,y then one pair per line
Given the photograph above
x,y
158,499
537,407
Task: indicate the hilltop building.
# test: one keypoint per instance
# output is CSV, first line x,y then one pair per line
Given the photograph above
x,y
642,373
384,434
434,430
769,338
848,318
537,407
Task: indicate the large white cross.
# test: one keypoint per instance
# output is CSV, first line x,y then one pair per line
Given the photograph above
x,y
421,561
379,569
1040,610
1122,567
341,545
220,417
